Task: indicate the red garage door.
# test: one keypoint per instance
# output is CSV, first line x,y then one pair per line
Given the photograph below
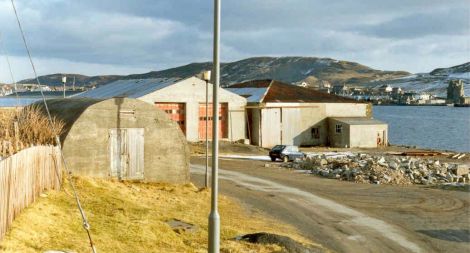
x,y
223,121
176,112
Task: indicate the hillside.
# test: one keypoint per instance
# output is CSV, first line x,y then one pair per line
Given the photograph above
x,y
289,69
133,217
434,82
80,80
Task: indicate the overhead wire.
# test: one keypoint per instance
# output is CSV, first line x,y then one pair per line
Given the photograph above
x,y
85,222
13,80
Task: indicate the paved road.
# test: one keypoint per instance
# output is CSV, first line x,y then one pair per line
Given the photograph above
x,y
348,217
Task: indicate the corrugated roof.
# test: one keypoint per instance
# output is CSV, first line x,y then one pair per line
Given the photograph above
x,y
132,88
276,91
359,121
251,94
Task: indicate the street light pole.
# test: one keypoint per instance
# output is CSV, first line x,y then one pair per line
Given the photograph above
x,y
207,77
214,219
64,80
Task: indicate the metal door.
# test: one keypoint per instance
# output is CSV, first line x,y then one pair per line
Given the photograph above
x,y
126,149
176,112
223,121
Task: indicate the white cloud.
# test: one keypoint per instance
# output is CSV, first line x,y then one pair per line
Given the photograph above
x,y
121,36
22,69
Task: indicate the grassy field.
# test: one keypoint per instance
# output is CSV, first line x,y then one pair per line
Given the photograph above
x,y
131,217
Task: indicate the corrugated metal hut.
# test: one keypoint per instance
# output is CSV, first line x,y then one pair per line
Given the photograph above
x,y
121,138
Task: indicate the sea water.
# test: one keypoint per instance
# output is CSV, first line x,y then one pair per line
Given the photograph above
x,y
434,127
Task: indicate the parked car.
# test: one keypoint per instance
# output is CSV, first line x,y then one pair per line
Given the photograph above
x,y
285,153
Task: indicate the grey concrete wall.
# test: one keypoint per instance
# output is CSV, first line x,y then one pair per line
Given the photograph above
x,y
166,153
345,109
340,140
297,124
192,92
298,119
365,136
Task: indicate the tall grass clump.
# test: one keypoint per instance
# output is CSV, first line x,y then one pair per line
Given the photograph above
x,y
25,128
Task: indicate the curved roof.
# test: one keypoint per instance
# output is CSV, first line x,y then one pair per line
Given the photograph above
x,y
68,110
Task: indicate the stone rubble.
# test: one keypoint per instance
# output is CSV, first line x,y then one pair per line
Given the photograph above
x,y
365,168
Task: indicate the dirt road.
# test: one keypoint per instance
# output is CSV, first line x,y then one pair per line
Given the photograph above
x,y
349,217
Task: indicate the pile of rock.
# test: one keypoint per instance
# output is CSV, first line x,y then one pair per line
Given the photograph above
x,y
365,168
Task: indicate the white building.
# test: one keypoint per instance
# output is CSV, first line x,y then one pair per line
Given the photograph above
x,y
280,113
184,102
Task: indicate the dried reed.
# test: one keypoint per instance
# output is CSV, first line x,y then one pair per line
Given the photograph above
x,y
27,127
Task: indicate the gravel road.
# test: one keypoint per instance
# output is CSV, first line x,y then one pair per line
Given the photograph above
x,y
350,217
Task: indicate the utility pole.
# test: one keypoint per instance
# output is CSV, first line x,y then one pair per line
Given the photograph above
x,y
207,77
214,218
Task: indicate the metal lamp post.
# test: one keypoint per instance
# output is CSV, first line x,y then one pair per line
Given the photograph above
x,y
206,76
214,219
64,80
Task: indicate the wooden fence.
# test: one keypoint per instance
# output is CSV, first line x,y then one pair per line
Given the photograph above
x,y
23,177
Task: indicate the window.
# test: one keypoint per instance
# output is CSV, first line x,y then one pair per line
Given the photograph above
x,y
339,128
278,147
315,133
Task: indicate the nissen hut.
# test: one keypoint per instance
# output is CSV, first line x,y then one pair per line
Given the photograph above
x,y
121,138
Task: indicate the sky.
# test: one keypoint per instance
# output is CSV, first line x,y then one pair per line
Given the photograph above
x,y
96,37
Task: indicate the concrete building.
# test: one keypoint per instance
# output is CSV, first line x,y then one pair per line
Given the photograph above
x,y
351,132
184,102
121,138
280,113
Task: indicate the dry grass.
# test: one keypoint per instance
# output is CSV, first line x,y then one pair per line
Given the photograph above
x,y
23,128
130,217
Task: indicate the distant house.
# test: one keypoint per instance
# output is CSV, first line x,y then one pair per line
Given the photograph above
x,y
280,113
385,88
184,102
341,90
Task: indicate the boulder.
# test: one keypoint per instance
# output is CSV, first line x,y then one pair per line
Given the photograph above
x,y
394,165
323,162
460,169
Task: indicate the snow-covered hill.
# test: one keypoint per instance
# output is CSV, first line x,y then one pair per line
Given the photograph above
x,y
434,82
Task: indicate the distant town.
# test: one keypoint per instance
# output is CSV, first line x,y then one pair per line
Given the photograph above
x,y
389,95
380,95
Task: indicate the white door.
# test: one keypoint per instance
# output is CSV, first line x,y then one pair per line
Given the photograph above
x,y
271,127
126,149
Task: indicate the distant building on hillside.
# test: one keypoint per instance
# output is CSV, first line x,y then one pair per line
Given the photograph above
x,y
341,90
385,88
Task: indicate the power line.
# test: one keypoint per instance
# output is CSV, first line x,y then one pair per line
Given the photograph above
x,y
4,50
85,223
